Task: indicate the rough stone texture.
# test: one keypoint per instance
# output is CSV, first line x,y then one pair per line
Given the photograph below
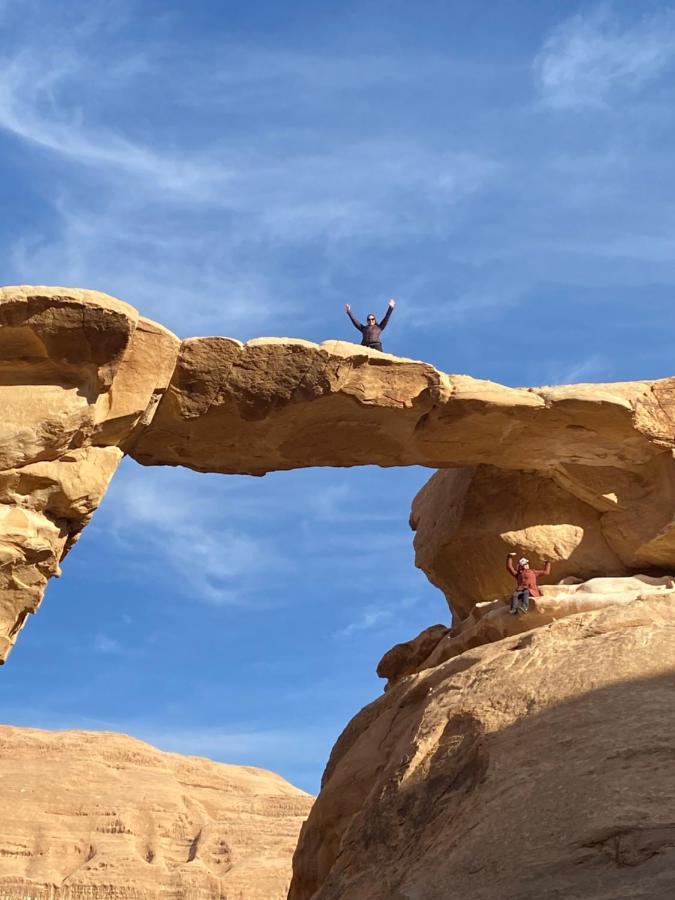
x,y
280,404
83,377
538,766
491,620
43,508
588,520
95,815
79,373
409,657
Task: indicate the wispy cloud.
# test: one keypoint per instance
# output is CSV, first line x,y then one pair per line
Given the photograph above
x,y
102,643
377,616
188,528
32,108
593,368
179,214
594,54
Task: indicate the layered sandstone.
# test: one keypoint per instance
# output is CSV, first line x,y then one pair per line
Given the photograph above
x,y
587,520
491,620
89,815
79,372
84,379
275,404
537,766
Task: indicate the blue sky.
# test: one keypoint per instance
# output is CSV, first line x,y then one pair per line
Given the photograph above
x,y
504,170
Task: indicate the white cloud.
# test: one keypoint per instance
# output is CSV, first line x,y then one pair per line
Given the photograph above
x,y
32,108
198,232
592,55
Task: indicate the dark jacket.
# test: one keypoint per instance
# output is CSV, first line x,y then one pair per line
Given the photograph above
x,y
371,334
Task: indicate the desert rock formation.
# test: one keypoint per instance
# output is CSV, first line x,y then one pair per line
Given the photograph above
x,y
588,520
79,372
85,379
88,815
490,621
537,766
276,403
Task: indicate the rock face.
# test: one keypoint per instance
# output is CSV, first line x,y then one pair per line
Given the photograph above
x,y
79,372
582,474
537,766
89,815
276,404
588,521
491,621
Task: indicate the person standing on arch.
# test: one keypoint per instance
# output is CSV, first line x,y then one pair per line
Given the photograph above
x,y
371,332
526,582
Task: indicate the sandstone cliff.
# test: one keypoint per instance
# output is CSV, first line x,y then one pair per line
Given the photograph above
x,y
84,379
79,371
537,766
95,815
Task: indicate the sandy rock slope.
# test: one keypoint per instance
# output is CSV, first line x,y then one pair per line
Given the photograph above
x,y
97,815
540,766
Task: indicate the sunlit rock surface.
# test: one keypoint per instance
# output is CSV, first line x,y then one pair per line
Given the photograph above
x,y
276,403
99,815
491,620
537,766
580,473
587,520
79,371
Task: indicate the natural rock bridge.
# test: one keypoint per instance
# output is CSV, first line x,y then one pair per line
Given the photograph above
x,y
587,470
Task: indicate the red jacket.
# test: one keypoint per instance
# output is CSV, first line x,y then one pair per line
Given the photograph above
x,y
526,577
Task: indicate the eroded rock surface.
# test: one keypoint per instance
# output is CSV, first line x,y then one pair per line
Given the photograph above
x,y
84,379
587,520
79,373
277,403
537,766
491,620
96,815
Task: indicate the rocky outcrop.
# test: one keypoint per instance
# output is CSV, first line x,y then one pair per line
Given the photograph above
x,y
84,379
588,520
89,815
491,620
276,404
79,373
537,766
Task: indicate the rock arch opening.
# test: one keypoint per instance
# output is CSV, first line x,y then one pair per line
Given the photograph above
x,y
120,384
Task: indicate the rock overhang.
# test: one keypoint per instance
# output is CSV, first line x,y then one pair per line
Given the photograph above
x,y
84,379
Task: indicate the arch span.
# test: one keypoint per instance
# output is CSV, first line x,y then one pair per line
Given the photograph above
x,y
84,379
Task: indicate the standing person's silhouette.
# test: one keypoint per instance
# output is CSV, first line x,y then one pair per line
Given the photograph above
x,y
371,332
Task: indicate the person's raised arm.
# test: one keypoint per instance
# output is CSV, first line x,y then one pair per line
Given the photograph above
x,y
387,315
509,565
355,321
545,571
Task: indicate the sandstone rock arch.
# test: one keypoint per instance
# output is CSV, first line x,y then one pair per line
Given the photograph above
x,y
84,379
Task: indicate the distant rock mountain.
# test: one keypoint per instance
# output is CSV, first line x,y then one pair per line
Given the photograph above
x,y
100,815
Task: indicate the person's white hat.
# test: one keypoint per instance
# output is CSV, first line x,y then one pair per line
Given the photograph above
x,y
523,561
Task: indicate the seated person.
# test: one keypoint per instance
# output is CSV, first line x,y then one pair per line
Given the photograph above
x,y
526,582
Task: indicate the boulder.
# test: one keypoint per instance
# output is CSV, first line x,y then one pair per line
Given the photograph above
x,y
587,520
